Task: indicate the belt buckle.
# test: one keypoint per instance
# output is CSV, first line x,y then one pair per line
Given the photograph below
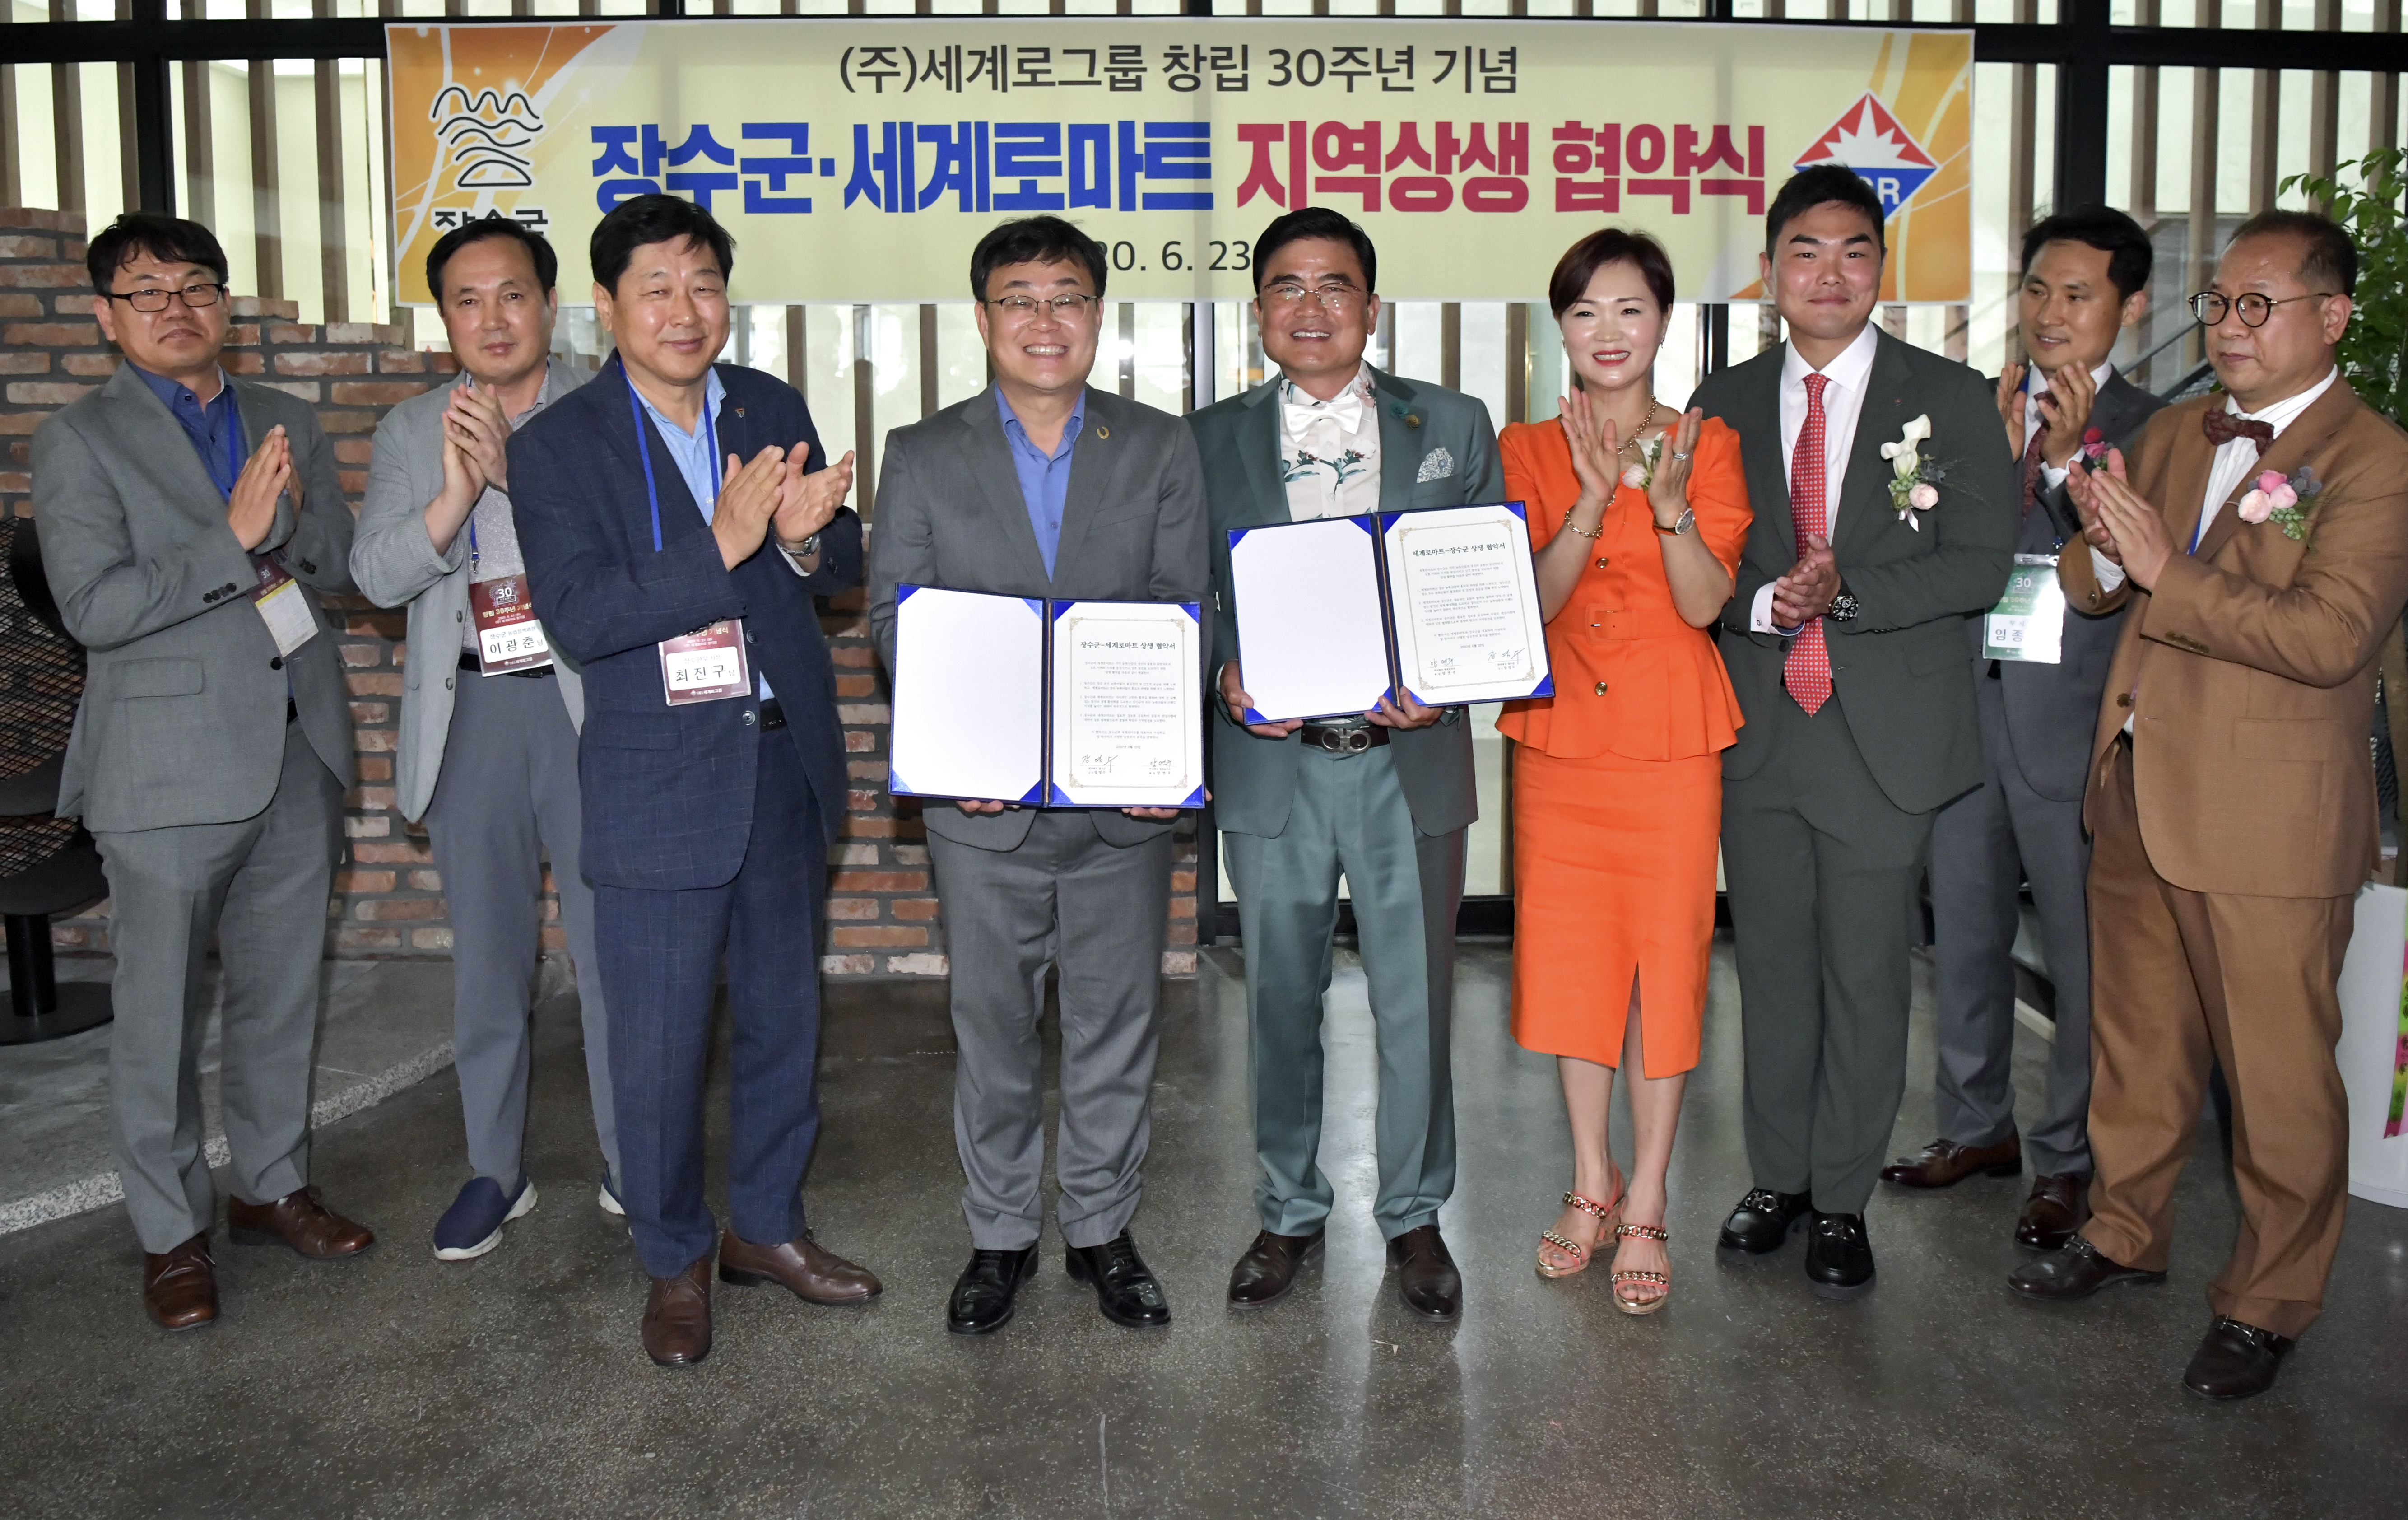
x,y
1343,740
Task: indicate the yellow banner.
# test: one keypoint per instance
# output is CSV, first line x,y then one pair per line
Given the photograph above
x,y
859,160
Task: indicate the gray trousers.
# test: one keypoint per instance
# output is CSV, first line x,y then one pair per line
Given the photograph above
x,y
1822,869
507,796
1350,817
1984,845
259,886
1100,913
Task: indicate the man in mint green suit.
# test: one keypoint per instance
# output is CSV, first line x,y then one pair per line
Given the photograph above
x,y
1383,798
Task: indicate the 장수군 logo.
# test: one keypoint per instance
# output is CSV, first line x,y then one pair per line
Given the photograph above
x,y
1868,139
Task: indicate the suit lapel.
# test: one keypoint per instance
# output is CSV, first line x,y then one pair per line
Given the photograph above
x,y
1404,441
998,485
1095,469
2304,439
1864,488
1258,436
1760,447
161,439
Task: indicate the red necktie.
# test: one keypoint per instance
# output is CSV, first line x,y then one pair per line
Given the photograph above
x,y
1808,672
2031,468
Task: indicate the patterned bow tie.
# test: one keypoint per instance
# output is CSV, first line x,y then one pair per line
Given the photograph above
x,y
2223,427
1346,411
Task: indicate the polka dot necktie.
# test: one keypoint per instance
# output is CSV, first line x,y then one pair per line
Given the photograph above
x,y
1808,672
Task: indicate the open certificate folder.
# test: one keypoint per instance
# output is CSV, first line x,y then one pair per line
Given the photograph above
x,y
1047,704
1337,612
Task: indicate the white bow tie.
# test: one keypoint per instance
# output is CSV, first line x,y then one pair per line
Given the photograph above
x,y
1346,411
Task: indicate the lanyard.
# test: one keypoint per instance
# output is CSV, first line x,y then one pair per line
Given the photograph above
x,y
644,448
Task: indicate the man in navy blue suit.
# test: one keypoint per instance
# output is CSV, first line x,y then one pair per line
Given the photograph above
x,y
678,518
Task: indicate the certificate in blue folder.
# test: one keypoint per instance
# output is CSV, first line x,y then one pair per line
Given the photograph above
x,y
1062,704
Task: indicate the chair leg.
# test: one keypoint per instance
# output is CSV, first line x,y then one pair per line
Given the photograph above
x,y
39,1008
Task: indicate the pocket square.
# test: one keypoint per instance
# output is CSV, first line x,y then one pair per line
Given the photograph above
x,y
1436,465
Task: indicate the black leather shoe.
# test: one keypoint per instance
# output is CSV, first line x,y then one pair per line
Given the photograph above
x,y
2076,1271
1763,1221
1267,1271
1124,1287
1839,1256
982,1295
1426,1274
2235,1361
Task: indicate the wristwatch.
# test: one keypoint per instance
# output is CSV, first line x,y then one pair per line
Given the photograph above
x,y
1843,606
808,547
1687,520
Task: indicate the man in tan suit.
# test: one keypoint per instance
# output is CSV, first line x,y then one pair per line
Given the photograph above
x,y
2261,539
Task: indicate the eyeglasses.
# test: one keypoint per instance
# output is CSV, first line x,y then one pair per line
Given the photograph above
x,y
1065,308
1333,298
2209,307
154,299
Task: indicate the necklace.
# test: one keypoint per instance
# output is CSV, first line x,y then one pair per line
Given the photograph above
x,y
1631,444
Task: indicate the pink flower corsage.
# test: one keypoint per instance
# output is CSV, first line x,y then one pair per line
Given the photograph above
x,y
2273,497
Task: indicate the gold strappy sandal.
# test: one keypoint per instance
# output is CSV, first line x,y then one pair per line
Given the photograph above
x,y
1664,1280
1581,1255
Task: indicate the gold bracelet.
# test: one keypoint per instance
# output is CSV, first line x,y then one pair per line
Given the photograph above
x,y
1591,534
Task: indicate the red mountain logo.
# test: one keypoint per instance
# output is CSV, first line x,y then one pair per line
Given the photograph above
x,y
1868,139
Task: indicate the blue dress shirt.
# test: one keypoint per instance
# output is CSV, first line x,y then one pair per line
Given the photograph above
x,y
216,429
691,454
1044,479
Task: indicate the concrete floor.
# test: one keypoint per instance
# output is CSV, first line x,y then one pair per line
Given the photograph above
x,y
395,1386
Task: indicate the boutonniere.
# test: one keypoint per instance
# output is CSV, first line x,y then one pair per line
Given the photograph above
x,y
2094,449
1641,474
2284,501
1915,480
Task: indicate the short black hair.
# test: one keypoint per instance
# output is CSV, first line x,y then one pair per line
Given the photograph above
x,y
1610,245
1036,239
169,239
641,220
1312,222
1821,185
547,262
2130,255
2327,257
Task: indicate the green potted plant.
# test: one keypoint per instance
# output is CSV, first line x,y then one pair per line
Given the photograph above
x,y
2365,196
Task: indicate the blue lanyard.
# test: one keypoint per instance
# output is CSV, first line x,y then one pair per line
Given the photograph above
x,y
644,447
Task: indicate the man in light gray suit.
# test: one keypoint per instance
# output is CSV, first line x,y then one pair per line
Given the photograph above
x,y
2085,274
187,522
1041,486
489,709
1383,799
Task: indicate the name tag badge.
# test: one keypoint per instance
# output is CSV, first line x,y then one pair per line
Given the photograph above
x,y
282,607
707,665
2029,622
508,635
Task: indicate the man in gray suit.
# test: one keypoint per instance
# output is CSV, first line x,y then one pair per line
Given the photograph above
x,y
1041,486
1383,799
187,522
2085,275
1845,642
489,709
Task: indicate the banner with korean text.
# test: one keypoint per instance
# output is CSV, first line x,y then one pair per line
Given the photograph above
x,y
860,159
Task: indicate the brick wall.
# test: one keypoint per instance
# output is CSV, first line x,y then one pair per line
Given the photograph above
x,y
882,918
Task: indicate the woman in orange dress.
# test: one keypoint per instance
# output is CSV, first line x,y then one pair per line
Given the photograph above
x,y
1638,514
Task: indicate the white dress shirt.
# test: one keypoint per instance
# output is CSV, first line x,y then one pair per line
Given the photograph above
x,y
1329,450
2051,475
1844,402
2235,462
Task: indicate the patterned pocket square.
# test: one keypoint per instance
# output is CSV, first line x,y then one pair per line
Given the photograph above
x,y
1436,465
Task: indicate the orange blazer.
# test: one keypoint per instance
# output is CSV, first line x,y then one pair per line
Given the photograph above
x,y
1630,676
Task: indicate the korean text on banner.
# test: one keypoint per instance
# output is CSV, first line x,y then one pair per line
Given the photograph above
x,y
859,160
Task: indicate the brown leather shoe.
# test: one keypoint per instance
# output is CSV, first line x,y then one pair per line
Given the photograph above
x,y
2077,1269
1426,1274
1267,1271
1945,1163
300,1220
180,1287
677,1317
2235,1361
2059,1205
814,1275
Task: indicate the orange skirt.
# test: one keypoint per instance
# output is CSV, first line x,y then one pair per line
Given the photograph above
x,y
1614,877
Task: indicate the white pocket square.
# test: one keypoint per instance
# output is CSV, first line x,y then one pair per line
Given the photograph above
x,y
1436,465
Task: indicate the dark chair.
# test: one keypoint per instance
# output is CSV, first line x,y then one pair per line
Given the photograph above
x,y
47,865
